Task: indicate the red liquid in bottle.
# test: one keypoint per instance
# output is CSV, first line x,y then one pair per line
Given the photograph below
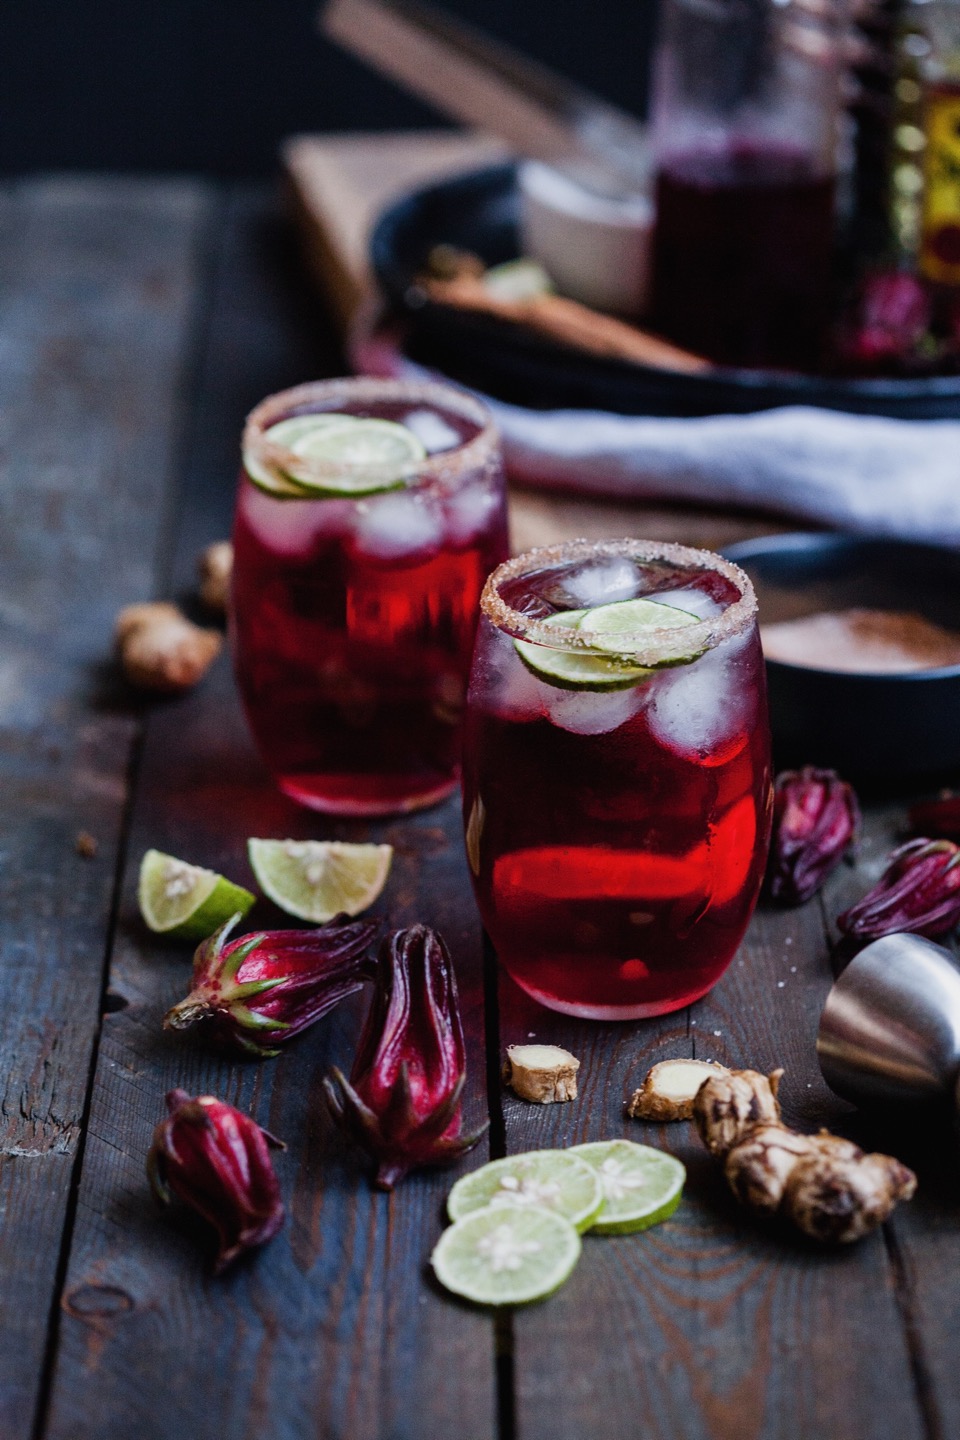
x,y
617,839
353,622
743,257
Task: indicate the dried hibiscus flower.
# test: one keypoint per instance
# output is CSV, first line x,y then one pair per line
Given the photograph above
x,y
815,821
919,891
217,1160
402,1102
259,991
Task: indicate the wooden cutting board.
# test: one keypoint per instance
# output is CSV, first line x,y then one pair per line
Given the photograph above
x,y
339,185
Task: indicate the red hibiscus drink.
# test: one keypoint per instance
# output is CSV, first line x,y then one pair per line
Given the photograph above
x,y
368,514
617,773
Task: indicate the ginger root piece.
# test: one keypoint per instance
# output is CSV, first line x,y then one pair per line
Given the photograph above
x,y
215,567
758,1168
836,1197
160,649
824,1185
727,1106
669,1087
542,1073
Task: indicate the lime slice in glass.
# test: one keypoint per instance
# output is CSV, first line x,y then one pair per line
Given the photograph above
x,y
616,627
317,879
506,1254
376,455
575,670
554,1180
641,1185
286,432
185,900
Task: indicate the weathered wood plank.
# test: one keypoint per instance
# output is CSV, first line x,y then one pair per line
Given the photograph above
x,y
923,1237
710,1327
95,315
334,1330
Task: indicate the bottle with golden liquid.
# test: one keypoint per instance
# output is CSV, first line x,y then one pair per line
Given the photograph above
x,y
925,173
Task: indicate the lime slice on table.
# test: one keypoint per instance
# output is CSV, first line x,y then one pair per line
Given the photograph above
x,y
554,1180
641,1185
612,628
285,432
376,455
506,1254
317,879
185,900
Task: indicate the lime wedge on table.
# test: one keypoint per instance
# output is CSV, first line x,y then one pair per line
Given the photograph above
x,y
506,1254
554,1180
186,900
376,455
286,432
641,1185
317,879
611,628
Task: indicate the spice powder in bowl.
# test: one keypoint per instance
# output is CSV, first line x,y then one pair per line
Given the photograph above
x,y
865,642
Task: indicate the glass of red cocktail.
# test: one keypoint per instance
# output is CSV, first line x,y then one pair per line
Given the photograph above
x,y
617,773
368,514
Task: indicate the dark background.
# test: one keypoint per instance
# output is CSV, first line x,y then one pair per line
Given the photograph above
x,y
214,85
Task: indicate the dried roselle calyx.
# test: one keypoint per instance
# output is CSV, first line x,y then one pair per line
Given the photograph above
x,y
919,891
259,991
402,1102
217,1160
815,821
938,818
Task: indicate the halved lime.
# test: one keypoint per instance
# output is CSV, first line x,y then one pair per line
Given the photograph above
x,y
506,1254
614,628
641,1185
317,879
376,455
576,670
186,900
554,1180
286,432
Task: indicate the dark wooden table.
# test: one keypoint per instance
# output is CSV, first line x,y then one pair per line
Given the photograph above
x,y
139,320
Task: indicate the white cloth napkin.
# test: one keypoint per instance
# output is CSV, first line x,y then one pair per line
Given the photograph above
x,y
852,472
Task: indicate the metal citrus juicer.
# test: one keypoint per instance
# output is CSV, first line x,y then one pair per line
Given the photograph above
x,y
890,1030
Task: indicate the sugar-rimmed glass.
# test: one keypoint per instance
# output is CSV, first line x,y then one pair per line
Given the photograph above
x,y
353,615
617,829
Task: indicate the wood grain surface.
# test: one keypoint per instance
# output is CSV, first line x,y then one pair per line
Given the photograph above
x,y
138,323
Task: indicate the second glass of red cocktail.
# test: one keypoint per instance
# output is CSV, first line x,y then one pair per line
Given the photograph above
x,y
617,773
369,513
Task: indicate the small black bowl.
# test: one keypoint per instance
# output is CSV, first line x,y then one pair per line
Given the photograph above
x,y
885,727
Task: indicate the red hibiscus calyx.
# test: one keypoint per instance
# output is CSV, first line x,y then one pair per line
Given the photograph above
x,y
919,891
216,1160
257,992
402,1102
816,820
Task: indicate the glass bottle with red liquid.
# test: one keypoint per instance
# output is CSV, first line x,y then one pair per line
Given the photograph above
x,y
368,514
617,773
746,131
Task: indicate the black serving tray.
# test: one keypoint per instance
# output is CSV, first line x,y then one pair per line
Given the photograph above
x,y
478,211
